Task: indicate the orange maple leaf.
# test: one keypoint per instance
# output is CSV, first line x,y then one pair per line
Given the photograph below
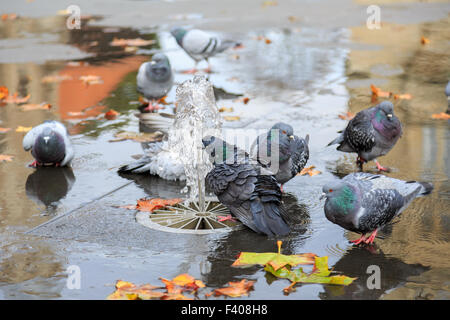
x,y
309,170
6,157
442,115
346,116
111,114
235,289
377,92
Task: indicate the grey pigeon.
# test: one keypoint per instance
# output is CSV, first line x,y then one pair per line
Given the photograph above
x,y
371,133
155,79
49,144
200,45
364,202
447,93
293,152
248,191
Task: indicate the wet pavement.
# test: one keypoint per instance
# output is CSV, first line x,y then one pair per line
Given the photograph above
x,y
315,68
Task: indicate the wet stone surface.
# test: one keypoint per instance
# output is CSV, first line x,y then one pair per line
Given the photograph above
x,y
312,71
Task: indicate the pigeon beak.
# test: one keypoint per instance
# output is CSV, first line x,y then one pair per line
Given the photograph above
x,y
291,137
46,139
322,196
389,115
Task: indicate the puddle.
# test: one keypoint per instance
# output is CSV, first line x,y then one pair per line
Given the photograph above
x,y
308,74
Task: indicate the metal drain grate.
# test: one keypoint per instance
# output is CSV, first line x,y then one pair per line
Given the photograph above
x,y
181,218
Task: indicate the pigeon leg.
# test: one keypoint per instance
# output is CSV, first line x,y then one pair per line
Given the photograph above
x,y
359,162
35,164
208,70
191,71
281,188
371,237
379,167
153,106
225,218
359,240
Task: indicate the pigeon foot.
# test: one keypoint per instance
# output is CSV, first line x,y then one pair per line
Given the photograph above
x,y
226,218
381,168
359,240
371,237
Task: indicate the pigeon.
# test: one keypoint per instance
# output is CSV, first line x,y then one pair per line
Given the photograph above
x,y
371,133
364,202
293,152
249,191
154,80
50,144
200,45
447,93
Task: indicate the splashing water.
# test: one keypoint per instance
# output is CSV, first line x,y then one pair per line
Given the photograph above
x,y
197,116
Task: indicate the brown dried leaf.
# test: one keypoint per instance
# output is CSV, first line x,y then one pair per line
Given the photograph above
x,y
32,106
424,40
138,42
91,79
309,170
405,96
346,116
225,109
442,116
55,78
138,137
6,157
232,118
235,289
3,130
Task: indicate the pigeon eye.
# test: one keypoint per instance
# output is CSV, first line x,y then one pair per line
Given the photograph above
x,y
284,132
331,190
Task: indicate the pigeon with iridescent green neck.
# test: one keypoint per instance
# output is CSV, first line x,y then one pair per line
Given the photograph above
x,y
364,202
372,133
200,45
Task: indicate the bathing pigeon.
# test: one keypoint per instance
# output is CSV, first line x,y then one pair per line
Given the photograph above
x,y
292,155
200,45
364,202
371,134
447,92
154,80
249,191
50,144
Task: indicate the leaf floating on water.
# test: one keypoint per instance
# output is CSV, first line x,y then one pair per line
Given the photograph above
x,y
182,282
16,99
276,260
405,96
441,116
320,274
111,114
377,92
23,129
424,40
309,170
91,79
232,118
151,204
129,291
3,92
139,137
3,130
55,78
235,289
138,42
346,116
269,3
32,106
6,157
225,109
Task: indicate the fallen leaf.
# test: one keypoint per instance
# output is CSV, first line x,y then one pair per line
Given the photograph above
x,y
16,99
138,137
424,40
405,96
149,205
235,289
91,79
6,157
269,3
232,118
275,259
182,282
309,170
346,116
225,109
55,78
138,42
31,106
129,291
377,92
111,114
3,92
245,100
442,115
320,274
268,41
11,16
23,129
3,130
292,18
